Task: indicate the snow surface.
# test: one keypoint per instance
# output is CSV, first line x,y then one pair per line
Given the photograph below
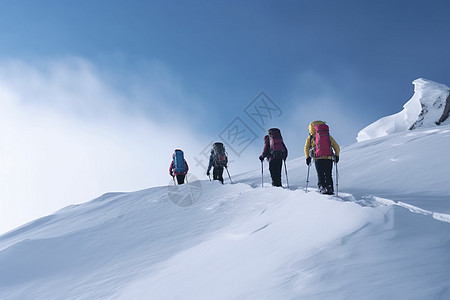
x,y
423,110
387,235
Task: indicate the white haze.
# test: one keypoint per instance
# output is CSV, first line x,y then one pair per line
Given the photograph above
x,y
63,125
69,124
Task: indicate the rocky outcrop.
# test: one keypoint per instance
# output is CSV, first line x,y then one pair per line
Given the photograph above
x,y
433,99
428,107
446,112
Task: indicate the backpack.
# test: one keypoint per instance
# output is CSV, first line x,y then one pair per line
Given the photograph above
x,y
179,165
219,155
277,148
323,142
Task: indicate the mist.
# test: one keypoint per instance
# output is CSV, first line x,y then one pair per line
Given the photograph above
x,y
68,136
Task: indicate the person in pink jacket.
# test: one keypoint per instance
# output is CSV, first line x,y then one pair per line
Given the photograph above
x,y
178,167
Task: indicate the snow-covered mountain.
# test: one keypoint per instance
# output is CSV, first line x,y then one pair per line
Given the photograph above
x,y
387,235
429,107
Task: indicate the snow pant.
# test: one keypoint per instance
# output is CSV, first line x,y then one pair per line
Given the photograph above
x,y
275,170
218,173
180,179
324,178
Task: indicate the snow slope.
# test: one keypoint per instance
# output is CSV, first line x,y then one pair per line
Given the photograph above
x,y
424,109
386,237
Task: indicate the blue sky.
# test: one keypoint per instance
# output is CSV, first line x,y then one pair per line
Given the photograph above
x,y
364,53
137,79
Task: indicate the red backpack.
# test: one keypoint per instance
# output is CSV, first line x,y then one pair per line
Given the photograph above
x,y
323,142
219,155
277,147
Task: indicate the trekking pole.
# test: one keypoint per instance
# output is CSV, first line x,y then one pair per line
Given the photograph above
x,y
187,181
285,170
174,183
262,174
337,180
307,178
229,175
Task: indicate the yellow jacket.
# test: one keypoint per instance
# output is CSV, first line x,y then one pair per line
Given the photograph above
x,y
311,141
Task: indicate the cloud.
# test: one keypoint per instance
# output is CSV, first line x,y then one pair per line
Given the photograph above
x,y
71,131
67,136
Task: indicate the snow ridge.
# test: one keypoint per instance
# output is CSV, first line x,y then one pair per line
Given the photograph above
x,y
429,107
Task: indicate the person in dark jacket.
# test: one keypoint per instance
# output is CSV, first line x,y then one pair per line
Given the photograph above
x,y
219,160
217,170
275,158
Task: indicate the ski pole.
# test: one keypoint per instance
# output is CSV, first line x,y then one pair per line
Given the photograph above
x,y
285,170
229,175
337,180
262,174
307,178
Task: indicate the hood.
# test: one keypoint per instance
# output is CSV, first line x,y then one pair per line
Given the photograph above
x,y
311,128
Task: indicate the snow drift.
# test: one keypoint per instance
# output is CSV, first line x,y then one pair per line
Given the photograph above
x,y
241,241
429,107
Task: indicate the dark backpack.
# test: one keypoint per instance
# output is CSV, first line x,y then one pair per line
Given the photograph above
x,y
277,148
323,142
219,155
179,165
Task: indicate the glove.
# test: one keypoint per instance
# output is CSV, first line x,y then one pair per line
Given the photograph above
x,y
308,161
261,158
336,159
207,173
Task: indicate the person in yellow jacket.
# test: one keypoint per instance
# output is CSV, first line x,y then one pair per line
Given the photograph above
x,y
323,154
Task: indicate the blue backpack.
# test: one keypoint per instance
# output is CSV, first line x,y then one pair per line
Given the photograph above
x,y
178,162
